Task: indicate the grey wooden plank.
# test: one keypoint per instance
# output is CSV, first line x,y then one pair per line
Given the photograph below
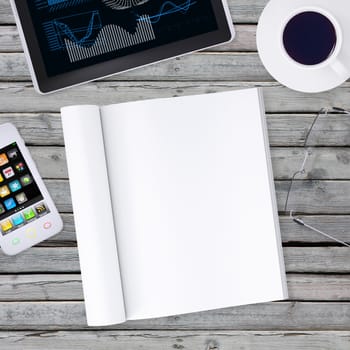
x,y
163,340
336,225
315,196
45,129
42,260
65,260
246,11
310,196
243,11
320,259
302,316
9,39
245,40
291,130
205,66
318,287
42,129
63,287
323,163
50,161
6,16
21,97
60,192
42,287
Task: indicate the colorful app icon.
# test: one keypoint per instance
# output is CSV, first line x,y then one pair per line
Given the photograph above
x,y
10,203
6,226
41,209
21,198
3,159
20,167
1,178
26,180
29,214
4,191
8,172
2,209
17,220
13,153
15,186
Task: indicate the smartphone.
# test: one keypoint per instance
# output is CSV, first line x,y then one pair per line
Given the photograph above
x,y
28,215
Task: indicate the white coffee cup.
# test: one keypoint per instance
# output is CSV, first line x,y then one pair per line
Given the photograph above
x,y
327,73
334,60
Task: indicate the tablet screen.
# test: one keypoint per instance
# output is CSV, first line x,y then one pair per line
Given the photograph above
x,y
73,34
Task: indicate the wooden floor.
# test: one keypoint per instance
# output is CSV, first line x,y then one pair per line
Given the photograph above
x,y
41,303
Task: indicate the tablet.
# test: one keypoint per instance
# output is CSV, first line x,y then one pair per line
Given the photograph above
x,y
68,42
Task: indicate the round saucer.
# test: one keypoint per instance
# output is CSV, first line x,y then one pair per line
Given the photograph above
x,y
280,66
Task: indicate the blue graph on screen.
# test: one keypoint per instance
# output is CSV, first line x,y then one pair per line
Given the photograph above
x,y
59,29
93,39
169,8
55,5
123,4
111,38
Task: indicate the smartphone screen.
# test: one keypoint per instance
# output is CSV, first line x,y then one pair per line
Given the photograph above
x,y
21,200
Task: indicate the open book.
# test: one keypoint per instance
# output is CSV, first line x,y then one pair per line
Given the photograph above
x,y
174,205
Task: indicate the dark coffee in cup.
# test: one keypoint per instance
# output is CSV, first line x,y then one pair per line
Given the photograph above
x,y
309,38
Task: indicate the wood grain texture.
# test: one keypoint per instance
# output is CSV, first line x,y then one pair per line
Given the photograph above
x,y
323,163
170,340
45,129
336,225
309,196
315,196
298,316
65,260
278,99
205,66
68,287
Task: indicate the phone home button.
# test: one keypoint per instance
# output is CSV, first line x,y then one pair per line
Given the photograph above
x,y
47,225
31,232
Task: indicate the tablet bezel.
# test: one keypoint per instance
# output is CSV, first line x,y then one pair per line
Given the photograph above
x,y
45,84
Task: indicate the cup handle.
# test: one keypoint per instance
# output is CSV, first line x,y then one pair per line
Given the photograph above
x,y
340,69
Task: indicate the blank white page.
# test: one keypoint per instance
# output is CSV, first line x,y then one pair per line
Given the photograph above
x,y
194,203
93,215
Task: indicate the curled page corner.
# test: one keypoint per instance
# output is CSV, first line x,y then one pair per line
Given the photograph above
x,y
93,215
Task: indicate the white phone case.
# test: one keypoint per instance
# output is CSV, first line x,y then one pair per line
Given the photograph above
x,y
43,225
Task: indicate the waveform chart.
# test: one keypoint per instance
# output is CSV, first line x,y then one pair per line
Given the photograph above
x,y
123,4
111,38
80,29
169,8
55,5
